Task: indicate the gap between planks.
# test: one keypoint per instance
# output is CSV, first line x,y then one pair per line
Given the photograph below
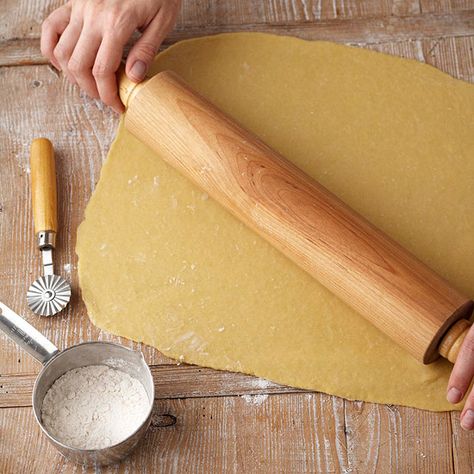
x,y
25,51
171,381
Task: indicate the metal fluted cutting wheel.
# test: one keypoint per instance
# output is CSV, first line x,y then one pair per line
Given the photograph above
x,y
48,295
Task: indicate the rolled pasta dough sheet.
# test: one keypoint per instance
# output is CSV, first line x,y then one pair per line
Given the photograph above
x,y
162,263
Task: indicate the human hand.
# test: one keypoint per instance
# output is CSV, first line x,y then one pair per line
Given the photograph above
x,y
85,40
461,378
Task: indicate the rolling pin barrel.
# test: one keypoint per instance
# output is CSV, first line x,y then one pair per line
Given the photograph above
x,y
343,251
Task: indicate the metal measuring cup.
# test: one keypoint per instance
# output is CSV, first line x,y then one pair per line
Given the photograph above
x,y
56,363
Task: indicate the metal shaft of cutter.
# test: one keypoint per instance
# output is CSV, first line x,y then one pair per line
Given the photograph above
x,y
46,243
48,265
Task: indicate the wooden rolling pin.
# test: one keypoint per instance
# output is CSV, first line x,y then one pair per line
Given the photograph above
x,y
356,261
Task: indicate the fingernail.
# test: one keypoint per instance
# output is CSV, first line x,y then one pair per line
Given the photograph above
x,y
138,70
454,395
467,421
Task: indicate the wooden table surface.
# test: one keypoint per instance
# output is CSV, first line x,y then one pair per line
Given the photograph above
x,y
204,421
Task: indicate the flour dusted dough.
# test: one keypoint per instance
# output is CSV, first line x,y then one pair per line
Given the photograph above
x,y
159,262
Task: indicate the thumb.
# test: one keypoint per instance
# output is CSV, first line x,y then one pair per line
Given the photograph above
x,y
144,50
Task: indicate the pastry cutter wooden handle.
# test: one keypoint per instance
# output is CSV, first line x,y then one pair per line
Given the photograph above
x,y
359,263
50,293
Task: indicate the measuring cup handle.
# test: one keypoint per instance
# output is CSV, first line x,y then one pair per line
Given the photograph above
x,y
26,336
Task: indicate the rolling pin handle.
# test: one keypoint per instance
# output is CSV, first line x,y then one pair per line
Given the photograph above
x,y
453,339
126,87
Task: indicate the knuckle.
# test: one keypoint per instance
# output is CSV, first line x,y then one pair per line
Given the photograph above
x,y
118,18
113,14
93,4
47,24
93,9
75,66
79,5
101,70
53,21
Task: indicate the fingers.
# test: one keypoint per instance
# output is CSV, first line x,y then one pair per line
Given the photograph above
x,y
82,60
66,44
144,50
467,414
51,29
461,378
85,39
106,64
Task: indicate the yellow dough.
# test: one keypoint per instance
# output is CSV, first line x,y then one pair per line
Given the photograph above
x,y
160,262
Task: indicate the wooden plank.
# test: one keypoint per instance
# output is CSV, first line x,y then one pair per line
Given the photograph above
x,y
275,433
20,19
297,433
171,381
451,55
423,437
463,446
23,18
446,5
454,55
390,439
21,52
405,49
406,7
210,12
25,51
37,102
366,30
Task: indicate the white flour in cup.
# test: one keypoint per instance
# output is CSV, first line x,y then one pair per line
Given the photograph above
x,y
94,407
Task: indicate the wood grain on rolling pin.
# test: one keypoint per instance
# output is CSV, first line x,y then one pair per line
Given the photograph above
x,y
364,267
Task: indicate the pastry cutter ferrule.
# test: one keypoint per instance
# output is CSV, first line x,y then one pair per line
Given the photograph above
x,y
50,293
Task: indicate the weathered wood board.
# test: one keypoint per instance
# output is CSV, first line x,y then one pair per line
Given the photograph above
x,y
205,421
258,433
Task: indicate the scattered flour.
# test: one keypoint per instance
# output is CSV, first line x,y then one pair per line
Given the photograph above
x,y
94,407
255,399
263,383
